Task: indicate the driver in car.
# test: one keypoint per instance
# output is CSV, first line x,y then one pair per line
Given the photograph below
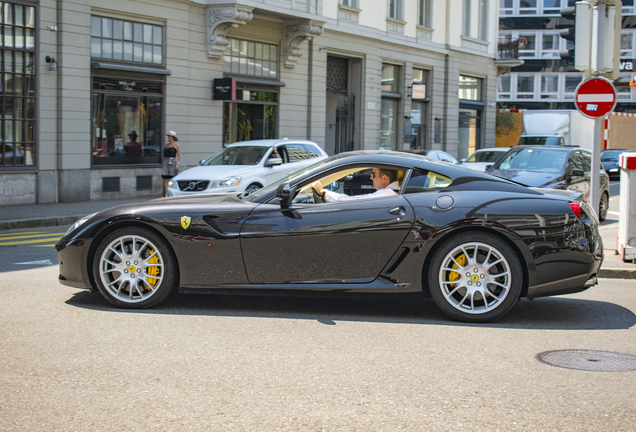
x,y
385,183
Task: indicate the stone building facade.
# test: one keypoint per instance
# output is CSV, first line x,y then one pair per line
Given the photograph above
x,y
90,88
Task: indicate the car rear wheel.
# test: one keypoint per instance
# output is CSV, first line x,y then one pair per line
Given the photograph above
x,y
603,207
475,277
134,268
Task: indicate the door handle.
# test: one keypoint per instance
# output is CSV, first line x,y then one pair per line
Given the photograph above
x,y
398,211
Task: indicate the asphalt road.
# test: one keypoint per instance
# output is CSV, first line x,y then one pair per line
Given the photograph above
x,y
68,361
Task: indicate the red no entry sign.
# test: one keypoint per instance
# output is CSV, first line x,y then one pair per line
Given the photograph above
x,y
595,97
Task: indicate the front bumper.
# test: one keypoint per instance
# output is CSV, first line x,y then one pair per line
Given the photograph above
x,y
73,269
177,192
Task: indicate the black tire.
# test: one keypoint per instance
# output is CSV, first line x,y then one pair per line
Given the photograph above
x,y
603,207
498,281
134,268
252,188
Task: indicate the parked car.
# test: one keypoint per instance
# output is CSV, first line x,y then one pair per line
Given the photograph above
x,y
609,159
484,158
473,242
245,167
553,167
435,154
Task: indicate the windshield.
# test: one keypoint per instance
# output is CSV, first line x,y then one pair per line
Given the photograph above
x,y
542,140
611,155
484,156
239,155
534,160
263,191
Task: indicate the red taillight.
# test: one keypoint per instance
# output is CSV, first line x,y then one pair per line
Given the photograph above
x,y
576,208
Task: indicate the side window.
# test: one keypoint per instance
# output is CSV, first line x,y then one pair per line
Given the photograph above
x,y
587,161
576,161
425,181
297,153
312,151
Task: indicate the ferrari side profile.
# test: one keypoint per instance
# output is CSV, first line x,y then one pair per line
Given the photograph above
x,y
473,242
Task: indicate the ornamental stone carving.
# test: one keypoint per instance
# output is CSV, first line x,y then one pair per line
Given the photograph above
x,y
296,33
221,19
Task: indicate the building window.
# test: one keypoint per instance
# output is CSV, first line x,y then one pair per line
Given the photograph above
x,y
126,117
466,26
627,44
525,86
503,87
350,3
17,88
628,7
389,109
551,7
483,19
469,88
550,43
253,116
419,109
549,86
571,83
396,8
506,7
127,41
530,48
527,7
243,57
424,13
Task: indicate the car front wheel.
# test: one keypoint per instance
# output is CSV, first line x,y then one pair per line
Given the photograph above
x,y
252,188
134,268
475,277
603,207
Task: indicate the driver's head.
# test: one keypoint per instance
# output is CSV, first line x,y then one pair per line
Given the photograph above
x,y
383,177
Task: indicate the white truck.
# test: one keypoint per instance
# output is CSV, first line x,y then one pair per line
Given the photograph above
x,y
557,127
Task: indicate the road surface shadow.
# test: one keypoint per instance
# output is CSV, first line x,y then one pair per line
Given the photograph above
x,y
550,313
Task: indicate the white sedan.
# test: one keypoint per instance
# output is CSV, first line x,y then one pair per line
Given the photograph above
x,y
246,166
483,158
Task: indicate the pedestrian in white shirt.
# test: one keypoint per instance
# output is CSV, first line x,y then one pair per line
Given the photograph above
x,y
384,182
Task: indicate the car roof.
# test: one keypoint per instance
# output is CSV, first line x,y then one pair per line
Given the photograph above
x,y
503,149
556,147
270,142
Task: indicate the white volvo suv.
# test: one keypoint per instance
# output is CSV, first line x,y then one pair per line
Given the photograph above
x,y
246,166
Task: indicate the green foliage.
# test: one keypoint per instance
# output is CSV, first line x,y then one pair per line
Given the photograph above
x,y
506,122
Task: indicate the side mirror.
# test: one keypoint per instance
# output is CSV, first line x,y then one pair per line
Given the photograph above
x,y
577,173
462,160
284,194
488,167
201,161
273,162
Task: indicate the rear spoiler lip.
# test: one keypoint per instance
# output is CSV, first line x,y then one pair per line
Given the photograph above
x,y
575,196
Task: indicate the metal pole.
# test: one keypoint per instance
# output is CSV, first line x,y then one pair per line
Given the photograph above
x,y
595,176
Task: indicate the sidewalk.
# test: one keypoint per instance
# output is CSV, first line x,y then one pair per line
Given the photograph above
x,y
40,215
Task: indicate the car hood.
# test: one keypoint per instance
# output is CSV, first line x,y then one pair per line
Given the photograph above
x,y
215,172
479,166
528,178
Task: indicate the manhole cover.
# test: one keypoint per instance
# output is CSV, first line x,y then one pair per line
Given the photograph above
x,y
589,360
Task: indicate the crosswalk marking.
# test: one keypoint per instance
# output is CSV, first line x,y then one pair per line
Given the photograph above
x,y
30,235
22,242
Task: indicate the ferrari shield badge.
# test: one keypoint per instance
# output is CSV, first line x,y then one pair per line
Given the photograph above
x,y
185,221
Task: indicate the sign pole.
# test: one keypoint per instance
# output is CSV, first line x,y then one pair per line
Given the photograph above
x,y
595,175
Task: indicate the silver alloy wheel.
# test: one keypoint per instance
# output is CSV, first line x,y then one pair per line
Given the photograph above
x,y
603,207
475,278
131,268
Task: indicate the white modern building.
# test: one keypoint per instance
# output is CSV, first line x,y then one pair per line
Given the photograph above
x,y
90,87
544,81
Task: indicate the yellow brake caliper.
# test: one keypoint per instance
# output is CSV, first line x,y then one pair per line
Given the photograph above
x,y
153,270
453,276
